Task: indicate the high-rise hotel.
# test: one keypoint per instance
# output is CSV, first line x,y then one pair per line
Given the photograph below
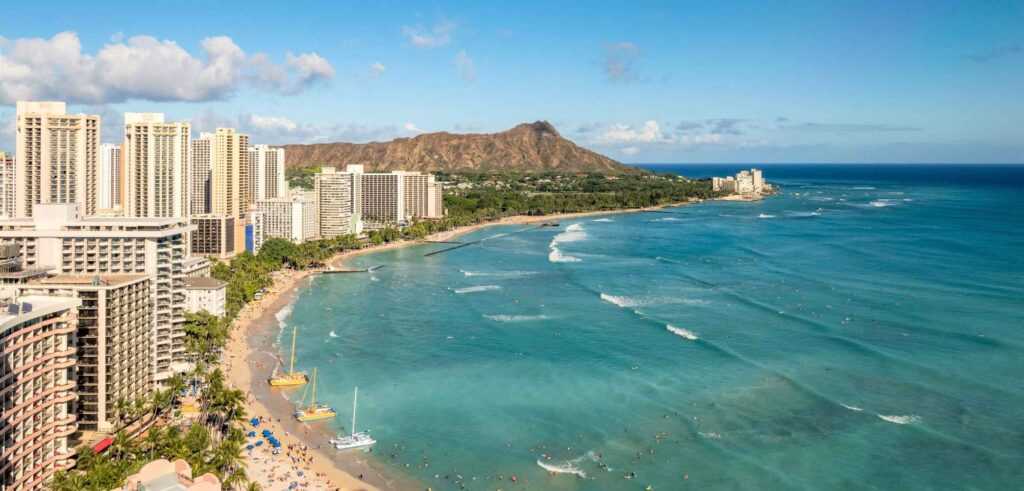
x,y
266,173
156,158
221,177
56,157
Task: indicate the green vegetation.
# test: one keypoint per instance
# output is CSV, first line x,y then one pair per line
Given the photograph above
x,y
301,177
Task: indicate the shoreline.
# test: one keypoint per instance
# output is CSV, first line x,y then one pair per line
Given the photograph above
x,y
251,357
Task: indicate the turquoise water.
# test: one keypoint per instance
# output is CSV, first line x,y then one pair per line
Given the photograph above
x,y
862,330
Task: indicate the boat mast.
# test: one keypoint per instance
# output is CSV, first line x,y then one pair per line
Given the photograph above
x,y
355,397
312,403
291,367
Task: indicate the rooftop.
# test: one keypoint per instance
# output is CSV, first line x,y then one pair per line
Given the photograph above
x,y
90,279
204,283
32,306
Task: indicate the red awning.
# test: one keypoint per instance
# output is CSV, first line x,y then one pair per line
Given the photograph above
x,y
102,445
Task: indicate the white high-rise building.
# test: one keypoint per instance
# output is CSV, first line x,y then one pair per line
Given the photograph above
x,y
156,157
200,173
110,176
337,199
423,196
266,172
57,239
294,218
6,185
382,196
56,157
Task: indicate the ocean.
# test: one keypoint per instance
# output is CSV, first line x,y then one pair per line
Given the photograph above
x,y
863,329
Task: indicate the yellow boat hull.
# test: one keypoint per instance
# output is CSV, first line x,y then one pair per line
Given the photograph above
x,y
287,381
317,416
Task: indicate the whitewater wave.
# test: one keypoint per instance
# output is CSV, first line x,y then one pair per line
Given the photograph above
x,y
283,314
564,468
498,274
333,334
882,203
710,434
667,219
864,188
475,289
604,220
852,408
630,302
804,214
572,233
765,215
556,256
678,331
901,420
515,318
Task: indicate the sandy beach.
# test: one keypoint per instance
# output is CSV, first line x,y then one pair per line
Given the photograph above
x,y
251,357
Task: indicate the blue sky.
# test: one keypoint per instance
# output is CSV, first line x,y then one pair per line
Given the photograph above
x,y
639,81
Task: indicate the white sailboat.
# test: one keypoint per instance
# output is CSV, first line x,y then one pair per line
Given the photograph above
x,y
356,439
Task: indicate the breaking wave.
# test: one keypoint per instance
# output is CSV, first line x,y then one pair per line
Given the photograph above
x,y
852,408
333,334
475,289
765,215
630,302
516,318
604,220
498,274
556,256
667,219
572,233
901,420
864,188
678,331
882,203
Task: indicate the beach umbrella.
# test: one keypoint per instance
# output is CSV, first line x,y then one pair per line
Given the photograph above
x,y
259,442
255,421
252,434
248,447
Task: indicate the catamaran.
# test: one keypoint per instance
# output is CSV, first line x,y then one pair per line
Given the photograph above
x,y
314,412
356,439
291,378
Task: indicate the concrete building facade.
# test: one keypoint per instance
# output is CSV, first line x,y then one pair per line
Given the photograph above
x,y
112,341
6,185
423,195
37,362
199,171
266,172
156,160
56,157
229,173
58,240
337,200
216,236
293,218
382,197
110,176
205,294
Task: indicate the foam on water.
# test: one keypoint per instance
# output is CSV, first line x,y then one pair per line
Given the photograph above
x,y
678,331
556,256
900,420
882,203
851,408
572,233
630,302
476,289
667,219
515,318
604,220
564,468
765,215
498,274
333,334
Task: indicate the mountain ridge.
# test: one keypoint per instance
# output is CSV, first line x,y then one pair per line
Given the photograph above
x,y
527,147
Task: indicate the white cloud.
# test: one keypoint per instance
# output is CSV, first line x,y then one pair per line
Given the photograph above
x,y
464,65
146,68
629,150
621,133
620,60
271,123
412,128
377,69
439,35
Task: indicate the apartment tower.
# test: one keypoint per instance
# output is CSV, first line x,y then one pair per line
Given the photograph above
x,y
266,172
423,196
37,358
382,197
156,156
229,173
199,178
337,198
110,176
6,185
56,157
